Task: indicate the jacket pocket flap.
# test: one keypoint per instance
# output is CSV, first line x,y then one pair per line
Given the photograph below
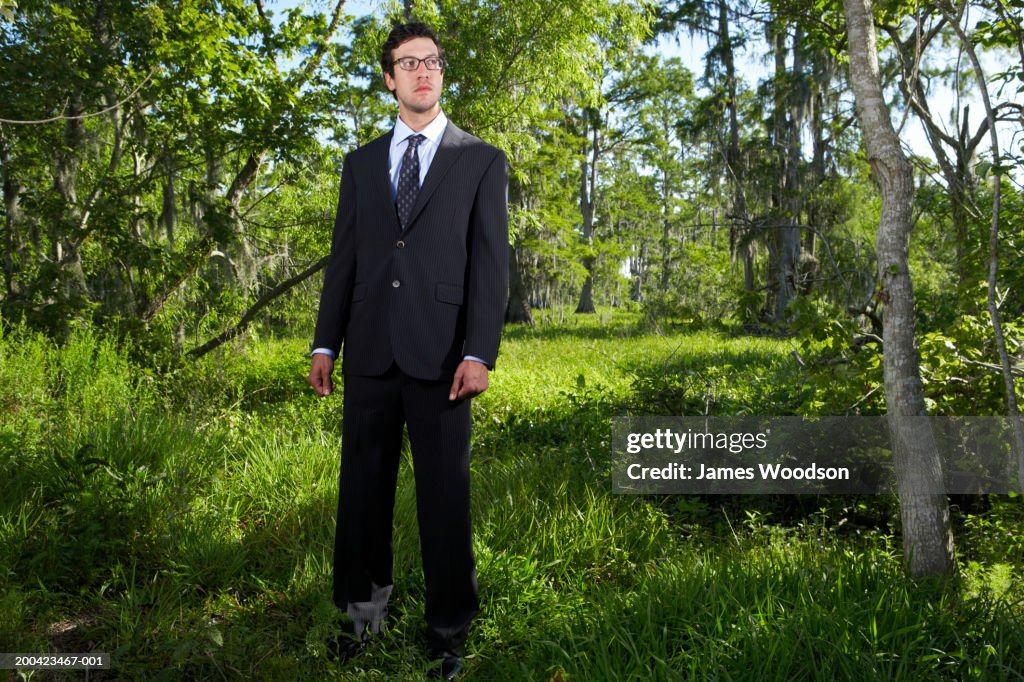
x,y
448,293
358,292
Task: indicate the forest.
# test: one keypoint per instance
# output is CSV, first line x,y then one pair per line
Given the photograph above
x,y
716,209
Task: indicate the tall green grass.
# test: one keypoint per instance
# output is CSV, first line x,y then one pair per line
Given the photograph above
x,y
183,521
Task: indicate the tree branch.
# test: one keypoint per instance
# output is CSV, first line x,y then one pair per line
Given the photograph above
x,y
79,117
259,305
193,259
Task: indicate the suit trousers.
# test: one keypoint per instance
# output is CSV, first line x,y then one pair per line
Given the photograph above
x,y
375,410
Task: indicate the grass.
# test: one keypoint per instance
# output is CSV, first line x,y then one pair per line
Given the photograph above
x,y
183,522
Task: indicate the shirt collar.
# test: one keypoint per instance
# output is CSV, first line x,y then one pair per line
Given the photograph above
x,y
433,131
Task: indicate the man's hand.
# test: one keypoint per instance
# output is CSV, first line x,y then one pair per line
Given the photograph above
x,y
320,369
470,380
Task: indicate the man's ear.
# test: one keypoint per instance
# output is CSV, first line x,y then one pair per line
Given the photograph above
x,y
389,81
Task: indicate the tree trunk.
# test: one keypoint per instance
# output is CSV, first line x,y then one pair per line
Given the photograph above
x,y
787,235
822,70
518,309
666,210
12,210
244,260
927,536
586,304
63,242
637,268
740,222
822,76
168,214
776,37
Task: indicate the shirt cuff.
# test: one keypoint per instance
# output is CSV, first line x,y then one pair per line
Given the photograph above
x,y
324,351
474,359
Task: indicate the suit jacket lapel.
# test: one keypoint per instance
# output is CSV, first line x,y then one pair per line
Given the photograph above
x,y
381,178
447,152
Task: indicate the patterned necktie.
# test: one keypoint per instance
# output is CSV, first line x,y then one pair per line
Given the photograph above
x,y
408,179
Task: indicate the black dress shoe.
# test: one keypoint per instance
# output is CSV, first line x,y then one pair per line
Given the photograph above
x,y
451,666
344,647
347,644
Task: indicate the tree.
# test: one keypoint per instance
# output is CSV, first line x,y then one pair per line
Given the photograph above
x,y
1014,32
927,535
162,117
660,92
955,151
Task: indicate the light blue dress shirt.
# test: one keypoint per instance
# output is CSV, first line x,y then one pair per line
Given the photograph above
x,y
428,147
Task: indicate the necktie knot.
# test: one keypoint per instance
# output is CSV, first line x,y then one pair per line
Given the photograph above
x,y
414,140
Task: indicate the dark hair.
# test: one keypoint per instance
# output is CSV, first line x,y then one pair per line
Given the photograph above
x,y
402,33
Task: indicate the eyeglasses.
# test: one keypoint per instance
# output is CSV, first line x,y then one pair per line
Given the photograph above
x,y
413,63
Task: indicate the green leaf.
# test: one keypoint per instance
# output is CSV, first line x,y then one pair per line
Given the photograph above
x,y
215,636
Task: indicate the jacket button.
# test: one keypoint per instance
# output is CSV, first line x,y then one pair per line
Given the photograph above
x,y
400,244
396,284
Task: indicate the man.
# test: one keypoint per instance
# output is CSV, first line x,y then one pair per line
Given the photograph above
x,y
415,291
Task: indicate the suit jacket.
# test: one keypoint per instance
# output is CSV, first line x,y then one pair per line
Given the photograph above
x,y
426,296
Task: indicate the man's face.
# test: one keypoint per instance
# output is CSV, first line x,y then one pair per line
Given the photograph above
x,y
417,91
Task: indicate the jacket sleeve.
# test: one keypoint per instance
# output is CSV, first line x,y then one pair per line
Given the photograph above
x,y
488,263
339,278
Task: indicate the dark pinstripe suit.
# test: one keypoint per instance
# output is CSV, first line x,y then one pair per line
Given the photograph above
x,y
408,305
